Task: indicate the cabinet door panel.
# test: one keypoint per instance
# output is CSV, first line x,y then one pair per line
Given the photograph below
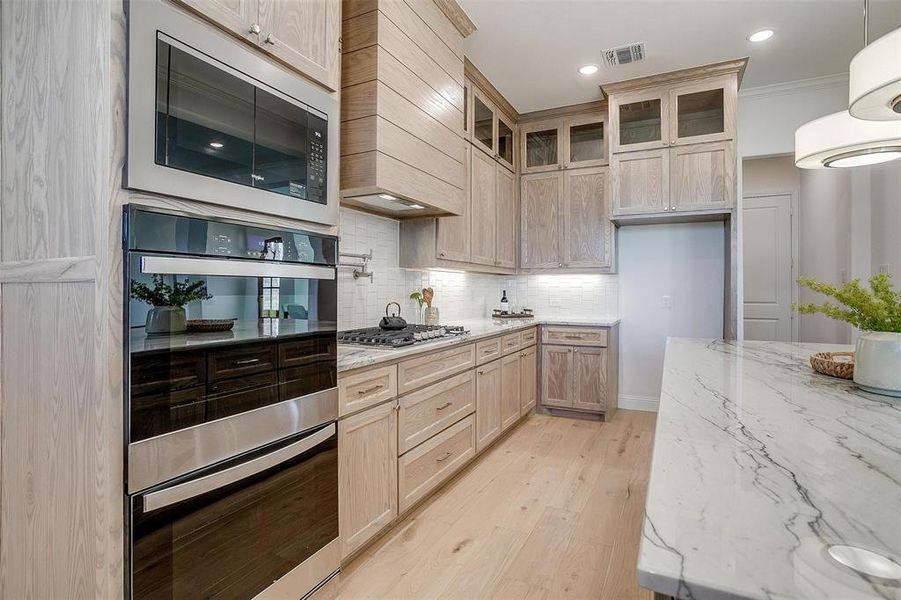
x,y
541,146
528,382
589,231
504,143
585,141
640,182
506,217
304,34
702,176
589,378
488,404
510,384
556,376
236,16
367,488
541,226
703,111
484,209
484,122
453,235
639,120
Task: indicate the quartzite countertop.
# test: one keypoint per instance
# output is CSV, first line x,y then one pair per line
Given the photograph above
x,y
759,465
354,357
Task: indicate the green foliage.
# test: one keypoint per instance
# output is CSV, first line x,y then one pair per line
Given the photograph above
x,y
876,309
162,294
418,297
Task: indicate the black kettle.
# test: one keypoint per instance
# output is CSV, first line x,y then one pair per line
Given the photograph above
x,y
392,322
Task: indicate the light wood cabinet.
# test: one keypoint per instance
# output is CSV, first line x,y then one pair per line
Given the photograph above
x,y
453,237
492,131
422,370
367,474
488,350
484,209
488,404
541,221
640,182
584,141
702,176
639,120
367,388
511,369
505,220
541,146
588,230
582,375
302,34
566,221
431,409
703,111
528,382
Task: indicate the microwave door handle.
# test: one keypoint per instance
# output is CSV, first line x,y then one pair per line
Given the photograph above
x,y
190,489
176,265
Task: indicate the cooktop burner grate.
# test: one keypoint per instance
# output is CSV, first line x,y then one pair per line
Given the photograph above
x,y
409,335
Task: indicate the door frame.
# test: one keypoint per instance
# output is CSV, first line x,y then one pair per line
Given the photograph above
x,y
795,213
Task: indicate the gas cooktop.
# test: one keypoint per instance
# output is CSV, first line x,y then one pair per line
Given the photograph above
x,y
409,335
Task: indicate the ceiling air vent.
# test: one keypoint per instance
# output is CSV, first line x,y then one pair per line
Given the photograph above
x,y
624,54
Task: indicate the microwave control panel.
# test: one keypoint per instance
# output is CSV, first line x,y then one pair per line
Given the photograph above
x,y
317,159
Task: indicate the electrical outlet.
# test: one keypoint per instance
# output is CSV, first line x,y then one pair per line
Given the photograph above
x,y
666,302
884,268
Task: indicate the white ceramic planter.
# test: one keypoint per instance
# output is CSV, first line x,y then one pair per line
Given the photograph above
x,y
877,363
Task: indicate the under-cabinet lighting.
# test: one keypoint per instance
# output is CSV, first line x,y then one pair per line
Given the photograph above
x,y
216,145
387,197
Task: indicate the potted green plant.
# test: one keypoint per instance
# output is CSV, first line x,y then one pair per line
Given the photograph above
x,y
168,301
876,312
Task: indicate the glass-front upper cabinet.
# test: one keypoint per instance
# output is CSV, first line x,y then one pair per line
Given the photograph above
x,y
467,109
584,141
703,111
483,122
639,120
541,146
505,141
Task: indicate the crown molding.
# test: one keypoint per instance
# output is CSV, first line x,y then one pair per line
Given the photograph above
x,y
790,87
457,16
595,106
736,66
472,72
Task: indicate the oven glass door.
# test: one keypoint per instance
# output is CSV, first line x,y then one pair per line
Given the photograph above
x,y
231,530
217,122
281,347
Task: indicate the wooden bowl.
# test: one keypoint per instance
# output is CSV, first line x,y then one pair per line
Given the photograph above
x,y
210,325
834,364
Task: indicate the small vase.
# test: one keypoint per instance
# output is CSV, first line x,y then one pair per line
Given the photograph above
x,y
431,315
165,320
877,363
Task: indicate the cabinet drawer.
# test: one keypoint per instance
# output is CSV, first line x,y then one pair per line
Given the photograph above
x,y
246,360
417,372
359,390
575,336
528,337
428,411
425,467
488,350
308,351
158,373
511,342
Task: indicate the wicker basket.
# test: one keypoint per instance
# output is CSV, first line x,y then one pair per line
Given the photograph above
x,y
834,364
210,325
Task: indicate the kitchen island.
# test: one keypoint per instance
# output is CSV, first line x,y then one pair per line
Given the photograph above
x,y
760,465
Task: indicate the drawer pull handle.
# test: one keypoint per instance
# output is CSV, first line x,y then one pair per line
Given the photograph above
x,y
574,337
374,388
446,456
488,350
443,406
246,361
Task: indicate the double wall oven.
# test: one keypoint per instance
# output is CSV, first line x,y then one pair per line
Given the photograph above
x,y
232,466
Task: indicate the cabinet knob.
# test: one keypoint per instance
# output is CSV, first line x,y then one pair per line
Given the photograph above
x,y
672,142
269,39
559,264
255,29
441,254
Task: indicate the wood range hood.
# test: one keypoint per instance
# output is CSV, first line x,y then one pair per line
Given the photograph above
x,y
402,107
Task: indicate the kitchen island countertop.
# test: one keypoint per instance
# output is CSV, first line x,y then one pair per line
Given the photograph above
x,y
759,466
355,357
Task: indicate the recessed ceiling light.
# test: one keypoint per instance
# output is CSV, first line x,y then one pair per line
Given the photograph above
x,y
588,69
216,145
387,197
761,36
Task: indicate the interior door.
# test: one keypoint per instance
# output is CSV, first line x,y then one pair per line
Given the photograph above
x,y
640,182
304,34
702,176
768,280
541,224
589,230
589,378
556,376
506,217
483,197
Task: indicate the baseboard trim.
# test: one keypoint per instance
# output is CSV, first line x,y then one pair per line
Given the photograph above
x,y
645,403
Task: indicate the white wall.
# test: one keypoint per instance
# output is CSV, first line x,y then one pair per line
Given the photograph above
x,y
684,262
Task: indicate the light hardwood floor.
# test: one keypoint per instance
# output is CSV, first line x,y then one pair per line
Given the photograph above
x,y
552,511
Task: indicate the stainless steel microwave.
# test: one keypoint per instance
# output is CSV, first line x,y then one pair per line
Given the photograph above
x,y
211,119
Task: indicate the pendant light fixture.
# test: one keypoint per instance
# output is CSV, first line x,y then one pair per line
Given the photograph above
x,y
875,79
841,140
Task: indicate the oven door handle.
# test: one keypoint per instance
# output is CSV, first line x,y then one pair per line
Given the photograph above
x,y
177,265
190,489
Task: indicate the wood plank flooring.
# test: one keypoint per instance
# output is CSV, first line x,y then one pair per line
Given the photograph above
x,y
552,511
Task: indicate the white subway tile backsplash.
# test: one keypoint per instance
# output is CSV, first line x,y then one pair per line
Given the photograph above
x,y
458,295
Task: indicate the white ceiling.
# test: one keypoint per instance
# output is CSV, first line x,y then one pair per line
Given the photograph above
x,y
531,49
